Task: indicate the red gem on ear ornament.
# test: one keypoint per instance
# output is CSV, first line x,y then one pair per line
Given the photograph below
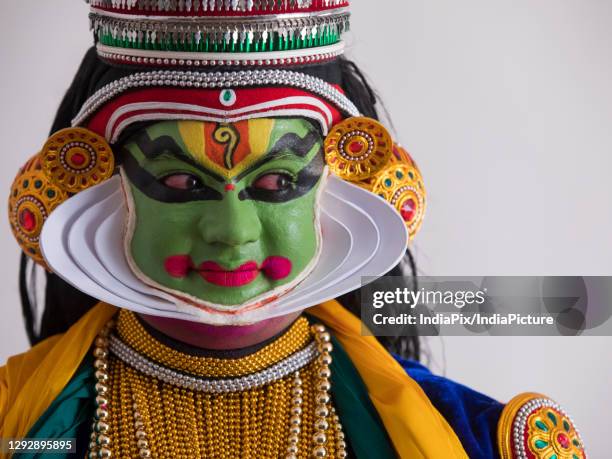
x,y
27,220
33,197
408,210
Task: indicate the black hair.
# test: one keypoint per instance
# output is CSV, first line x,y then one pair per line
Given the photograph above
x,y
64,304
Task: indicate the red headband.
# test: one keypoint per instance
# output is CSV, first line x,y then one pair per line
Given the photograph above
x,y
219,105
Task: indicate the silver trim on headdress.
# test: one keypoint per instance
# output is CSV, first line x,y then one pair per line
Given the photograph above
x,y
213,80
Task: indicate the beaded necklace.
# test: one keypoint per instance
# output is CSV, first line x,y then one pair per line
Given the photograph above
x,y
154,401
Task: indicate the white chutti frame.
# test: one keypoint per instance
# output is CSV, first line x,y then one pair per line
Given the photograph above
x,y
82,241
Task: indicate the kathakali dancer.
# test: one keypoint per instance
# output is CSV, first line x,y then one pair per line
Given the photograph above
x,y
214,188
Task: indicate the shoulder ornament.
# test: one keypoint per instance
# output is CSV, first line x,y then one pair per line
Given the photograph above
x,y
532,426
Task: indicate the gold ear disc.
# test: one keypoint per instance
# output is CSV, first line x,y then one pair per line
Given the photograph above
x,y
33,197
401,184
358,148
75,159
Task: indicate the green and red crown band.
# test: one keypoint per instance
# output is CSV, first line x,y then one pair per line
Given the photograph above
x,y
180,33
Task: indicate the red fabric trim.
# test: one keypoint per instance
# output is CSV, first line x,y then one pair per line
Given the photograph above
x,y
318,5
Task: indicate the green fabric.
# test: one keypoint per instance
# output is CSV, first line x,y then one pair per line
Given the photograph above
x,y
72,409
362,425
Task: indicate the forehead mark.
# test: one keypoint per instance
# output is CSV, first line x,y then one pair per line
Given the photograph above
x,y
190,132
227,148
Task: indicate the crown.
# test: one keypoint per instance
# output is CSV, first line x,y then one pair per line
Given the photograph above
x,y
204,33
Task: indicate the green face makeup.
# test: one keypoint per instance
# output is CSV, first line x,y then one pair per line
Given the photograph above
x,y
224,214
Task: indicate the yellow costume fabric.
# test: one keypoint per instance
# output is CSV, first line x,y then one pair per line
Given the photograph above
x,y
30,382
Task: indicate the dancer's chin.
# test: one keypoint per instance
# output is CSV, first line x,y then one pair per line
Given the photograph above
x,y
220,337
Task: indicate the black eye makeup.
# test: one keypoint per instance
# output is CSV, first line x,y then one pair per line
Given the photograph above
x,y
182,181
277,187
175,187
274,181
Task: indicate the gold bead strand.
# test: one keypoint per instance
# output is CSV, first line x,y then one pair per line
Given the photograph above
x,y
141,436
323,386
101,390
309,380
93,444
340,438
246,434
200,426
209,423
142,413
101,428
122,410
171,447
191,415
295,421
235,421
176,413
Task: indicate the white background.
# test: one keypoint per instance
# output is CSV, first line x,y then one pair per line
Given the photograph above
x,y
507,107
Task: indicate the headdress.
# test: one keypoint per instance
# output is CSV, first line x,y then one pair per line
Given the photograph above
x,y
210,33
223,61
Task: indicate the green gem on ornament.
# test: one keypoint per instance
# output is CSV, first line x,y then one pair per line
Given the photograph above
x,y
566,426
227,97
540,425
541,444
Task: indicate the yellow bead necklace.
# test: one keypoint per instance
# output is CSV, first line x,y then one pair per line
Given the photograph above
x,y
151,403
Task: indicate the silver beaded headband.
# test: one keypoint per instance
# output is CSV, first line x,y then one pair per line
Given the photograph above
x,y
216,80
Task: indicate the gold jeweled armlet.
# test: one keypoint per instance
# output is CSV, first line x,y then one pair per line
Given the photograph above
x,y
155,401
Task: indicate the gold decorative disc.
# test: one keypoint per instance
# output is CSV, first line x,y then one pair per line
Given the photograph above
x,y
76,159
358,148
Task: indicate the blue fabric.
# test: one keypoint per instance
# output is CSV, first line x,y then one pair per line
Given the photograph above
x,y
472,416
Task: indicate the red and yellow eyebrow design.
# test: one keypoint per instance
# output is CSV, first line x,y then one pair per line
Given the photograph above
x,y
227,149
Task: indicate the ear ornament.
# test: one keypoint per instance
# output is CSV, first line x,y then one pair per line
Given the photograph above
x,y
357,148
361,151
76,159
72,160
